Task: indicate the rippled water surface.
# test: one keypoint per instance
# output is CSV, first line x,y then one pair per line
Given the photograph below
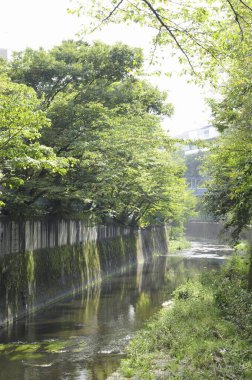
x,y
84,337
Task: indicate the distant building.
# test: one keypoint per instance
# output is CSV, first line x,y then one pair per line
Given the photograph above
x,y
4,53
205,133
193,156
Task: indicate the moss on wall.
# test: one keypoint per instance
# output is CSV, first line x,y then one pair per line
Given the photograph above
x,y
31,280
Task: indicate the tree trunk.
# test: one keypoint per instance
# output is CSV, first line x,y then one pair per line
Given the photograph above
x,y
250,271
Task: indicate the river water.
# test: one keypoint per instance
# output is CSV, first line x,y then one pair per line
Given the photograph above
x,y
84,337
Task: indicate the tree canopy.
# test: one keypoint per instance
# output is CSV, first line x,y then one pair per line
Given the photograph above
x,y
105,120
205,34
21,123
230,190
209,37
229,195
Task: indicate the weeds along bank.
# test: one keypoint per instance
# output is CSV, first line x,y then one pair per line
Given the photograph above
x,y
205,334
43,261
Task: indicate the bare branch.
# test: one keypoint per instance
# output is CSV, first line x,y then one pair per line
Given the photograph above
x,y
134,5
198,42
108,16
159,18
236,18
245,5
155,45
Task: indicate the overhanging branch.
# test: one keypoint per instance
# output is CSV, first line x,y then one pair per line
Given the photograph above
x,y
159,18
109,15
236,18
245,5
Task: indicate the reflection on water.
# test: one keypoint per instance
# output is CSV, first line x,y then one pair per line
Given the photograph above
x,y
84,337
207,250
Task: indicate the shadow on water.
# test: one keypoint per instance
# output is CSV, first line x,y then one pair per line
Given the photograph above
x,y
84,337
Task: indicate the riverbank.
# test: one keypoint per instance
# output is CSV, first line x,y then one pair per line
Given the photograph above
x,y
205,334
178,245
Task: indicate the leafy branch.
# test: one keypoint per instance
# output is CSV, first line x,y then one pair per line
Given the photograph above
x,y
160,19
238,16
245,5
109,15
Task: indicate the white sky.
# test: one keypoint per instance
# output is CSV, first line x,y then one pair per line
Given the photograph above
x,y
35,23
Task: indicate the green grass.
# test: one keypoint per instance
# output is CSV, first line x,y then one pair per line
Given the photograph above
x,y
178,245
205,335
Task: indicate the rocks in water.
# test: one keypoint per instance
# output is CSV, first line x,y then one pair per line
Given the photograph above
x,y
167,304
116,376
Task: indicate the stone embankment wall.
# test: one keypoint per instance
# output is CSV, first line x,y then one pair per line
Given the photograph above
x,y
43,261
38,234
213,231
206,230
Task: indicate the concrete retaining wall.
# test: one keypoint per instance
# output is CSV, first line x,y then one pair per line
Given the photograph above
x,y
43,261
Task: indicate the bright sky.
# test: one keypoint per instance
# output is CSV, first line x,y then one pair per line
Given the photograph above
x,y
35,23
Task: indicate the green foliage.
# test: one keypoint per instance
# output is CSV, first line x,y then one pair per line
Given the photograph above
x,y
231,294
193,164
229,192
229,164
73,64
21,153
204,335
242,247
203,34
210,36
178,245
107,121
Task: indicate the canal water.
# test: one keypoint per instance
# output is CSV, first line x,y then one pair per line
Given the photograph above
x,y
84,337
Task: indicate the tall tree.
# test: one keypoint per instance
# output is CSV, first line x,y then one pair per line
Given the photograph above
x,y
230,165
73,64
108,120
21,123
